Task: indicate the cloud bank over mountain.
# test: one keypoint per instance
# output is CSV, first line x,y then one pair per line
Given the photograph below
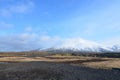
x,y
32,41
26,41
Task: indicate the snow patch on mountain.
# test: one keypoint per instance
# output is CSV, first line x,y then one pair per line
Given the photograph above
x,y
79,44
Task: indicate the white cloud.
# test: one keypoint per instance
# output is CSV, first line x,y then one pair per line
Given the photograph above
x,y
4,25
50,41
111,41
46,38
26,41
18,8
28,29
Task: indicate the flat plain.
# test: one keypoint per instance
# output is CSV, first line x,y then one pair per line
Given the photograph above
x,y
24,66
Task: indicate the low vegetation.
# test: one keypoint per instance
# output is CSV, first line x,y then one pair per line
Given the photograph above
x,y
91,60
58,66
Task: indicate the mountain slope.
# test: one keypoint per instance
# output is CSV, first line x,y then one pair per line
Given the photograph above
x,y
79,45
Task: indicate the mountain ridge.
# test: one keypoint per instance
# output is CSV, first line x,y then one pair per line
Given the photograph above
x,y
81,45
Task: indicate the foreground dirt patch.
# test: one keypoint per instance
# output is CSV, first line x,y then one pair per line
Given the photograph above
x,y
59,68
53,71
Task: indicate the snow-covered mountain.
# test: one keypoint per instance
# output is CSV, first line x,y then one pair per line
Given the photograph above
x,y
80,45
116,48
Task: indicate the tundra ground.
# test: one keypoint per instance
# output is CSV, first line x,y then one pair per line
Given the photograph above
x,y
58,68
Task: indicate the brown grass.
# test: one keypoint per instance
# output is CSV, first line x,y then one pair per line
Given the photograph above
x,y
94,62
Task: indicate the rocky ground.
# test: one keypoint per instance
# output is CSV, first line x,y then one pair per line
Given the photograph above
x,y
40,70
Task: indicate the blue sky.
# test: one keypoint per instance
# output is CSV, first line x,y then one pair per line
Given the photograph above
x,y
44,23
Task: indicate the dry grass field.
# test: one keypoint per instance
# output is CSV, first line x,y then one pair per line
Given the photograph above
x,y
55,67
93,62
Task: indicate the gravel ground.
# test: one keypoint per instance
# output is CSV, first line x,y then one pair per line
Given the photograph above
x,y
53,71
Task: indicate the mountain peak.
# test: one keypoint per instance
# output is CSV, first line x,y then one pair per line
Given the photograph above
x,y
77,43
81,45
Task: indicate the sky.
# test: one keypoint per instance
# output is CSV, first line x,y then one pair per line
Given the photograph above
x,y
33,24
